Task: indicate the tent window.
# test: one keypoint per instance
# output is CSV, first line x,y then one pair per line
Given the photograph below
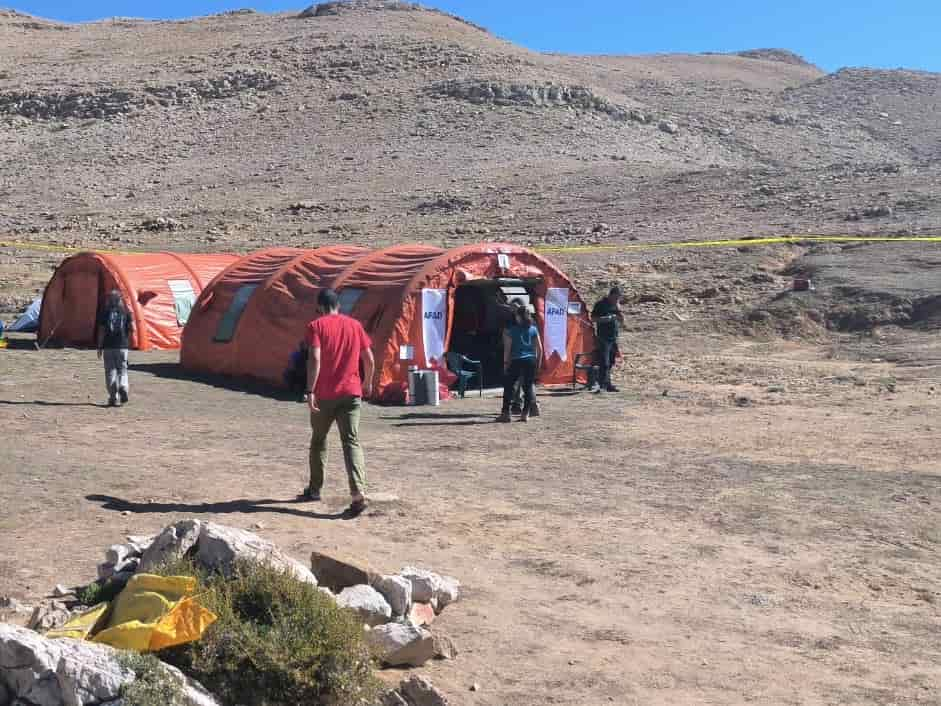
x,y
230,319
183,299
348,299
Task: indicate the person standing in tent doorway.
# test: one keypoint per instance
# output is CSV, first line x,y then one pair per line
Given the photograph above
x,y
114,336
522,354
336,344
607,315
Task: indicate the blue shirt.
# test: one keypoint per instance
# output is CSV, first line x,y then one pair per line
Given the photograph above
x,y
522,341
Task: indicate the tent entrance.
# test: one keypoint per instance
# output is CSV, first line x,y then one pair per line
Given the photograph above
x,y
480,318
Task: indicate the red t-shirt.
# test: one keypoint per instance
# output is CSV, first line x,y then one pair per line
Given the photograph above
x,y
341,340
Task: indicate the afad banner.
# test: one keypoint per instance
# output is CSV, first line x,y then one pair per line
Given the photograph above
x,y
434,303
557,322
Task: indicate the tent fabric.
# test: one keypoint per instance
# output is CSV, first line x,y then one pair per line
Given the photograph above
x,y
150,614
255,337
158,289
29,320
383,289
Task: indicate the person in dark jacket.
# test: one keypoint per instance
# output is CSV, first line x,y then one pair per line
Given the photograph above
x,y
607,315
114,329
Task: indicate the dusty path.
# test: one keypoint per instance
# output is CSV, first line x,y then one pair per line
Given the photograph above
x,y
743,524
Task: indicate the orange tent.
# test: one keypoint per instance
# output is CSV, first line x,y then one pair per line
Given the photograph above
x,y
159,290
417,303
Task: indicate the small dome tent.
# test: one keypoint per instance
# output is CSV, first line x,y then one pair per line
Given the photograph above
x,y
417,303
158,289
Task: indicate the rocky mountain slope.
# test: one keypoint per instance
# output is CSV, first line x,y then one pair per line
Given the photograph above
x,y
378,122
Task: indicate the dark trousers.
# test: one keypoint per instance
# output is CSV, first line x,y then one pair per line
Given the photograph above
x,y
607,350
523,369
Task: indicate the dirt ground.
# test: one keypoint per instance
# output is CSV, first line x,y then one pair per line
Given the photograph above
x,y
745,522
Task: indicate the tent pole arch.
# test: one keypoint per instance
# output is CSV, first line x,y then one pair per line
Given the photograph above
x,y
140,331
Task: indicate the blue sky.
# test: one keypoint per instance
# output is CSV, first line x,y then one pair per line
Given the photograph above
x,y
831,33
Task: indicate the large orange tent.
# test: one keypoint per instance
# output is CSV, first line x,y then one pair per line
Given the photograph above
x,y
158,289
417,303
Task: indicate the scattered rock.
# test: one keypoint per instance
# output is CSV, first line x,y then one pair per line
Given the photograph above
x,y
397,591
400,644
171,544
117,554
421,614
11,605
475,687
367,602
337,574
425,584
418,691
444,647
783,119
49,615
392,698
162,223
668,127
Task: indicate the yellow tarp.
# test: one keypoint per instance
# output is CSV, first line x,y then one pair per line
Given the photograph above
x,y
150,614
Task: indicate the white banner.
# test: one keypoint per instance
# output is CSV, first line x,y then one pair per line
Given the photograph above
x,y
434,304
557,321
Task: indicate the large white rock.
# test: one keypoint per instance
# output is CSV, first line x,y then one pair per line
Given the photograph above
x,y
429,587
448,592
117,554
171,544
37,671
397,590
401,644
367,602
139,543
425,584
220,547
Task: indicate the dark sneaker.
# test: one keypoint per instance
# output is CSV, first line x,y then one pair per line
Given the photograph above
x,y
611,388
504,418
123,395
112,402
534,409
311,496
357,507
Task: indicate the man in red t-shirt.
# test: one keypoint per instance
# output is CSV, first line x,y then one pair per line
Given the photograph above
x,y
337,344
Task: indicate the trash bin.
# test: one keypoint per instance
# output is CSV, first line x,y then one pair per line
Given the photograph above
x,y
423,387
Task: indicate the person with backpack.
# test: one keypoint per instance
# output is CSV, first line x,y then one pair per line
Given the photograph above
x,y
522,354
115,326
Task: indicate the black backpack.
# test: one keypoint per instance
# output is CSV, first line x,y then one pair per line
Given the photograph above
x,y
115,323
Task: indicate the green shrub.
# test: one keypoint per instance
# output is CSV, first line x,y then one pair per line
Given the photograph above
x,y
153,685
277,641
98,592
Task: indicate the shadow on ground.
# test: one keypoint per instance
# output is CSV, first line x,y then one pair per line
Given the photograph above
x,y
175,371
44,403
242,506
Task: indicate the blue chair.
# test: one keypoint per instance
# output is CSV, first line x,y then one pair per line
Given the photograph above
x,y
465,368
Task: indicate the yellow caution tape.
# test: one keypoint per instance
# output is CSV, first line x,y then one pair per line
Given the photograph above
x,y
739,242
734,243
